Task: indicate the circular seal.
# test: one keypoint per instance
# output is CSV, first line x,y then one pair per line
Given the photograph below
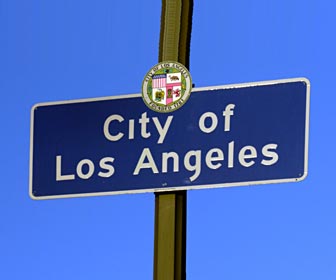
x,y
166,87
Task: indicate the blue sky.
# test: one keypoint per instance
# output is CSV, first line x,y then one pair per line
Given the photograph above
x,y
63,50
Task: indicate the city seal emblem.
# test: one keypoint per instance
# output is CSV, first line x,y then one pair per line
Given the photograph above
x,y
166,87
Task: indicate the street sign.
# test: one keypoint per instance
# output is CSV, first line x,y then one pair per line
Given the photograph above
x,y
224,136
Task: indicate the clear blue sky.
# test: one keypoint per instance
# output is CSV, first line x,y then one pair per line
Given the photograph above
x,y
63,50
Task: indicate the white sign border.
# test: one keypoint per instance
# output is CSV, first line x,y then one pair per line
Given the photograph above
x,y
177,188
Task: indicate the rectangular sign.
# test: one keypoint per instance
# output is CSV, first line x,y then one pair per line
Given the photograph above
x,y
224,136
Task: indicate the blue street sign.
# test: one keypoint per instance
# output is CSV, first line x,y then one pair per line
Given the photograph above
x,y
223,136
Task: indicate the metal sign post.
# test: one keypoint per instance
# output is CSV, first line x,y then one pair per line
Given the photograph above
x,y
170,208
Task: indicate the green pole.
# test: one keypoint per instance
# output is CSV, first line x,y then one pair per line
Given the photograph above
x,y
175,32
170,207
170,236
